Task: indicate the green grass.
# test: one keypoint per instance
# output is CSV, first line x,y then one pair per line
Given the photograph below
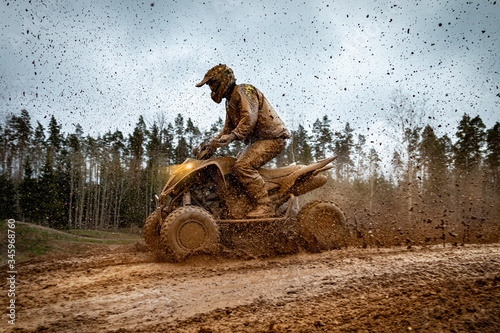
x,y
117,236
33,240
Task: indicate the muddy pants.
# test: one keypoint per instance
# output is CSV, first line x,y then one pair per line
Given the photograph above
x,y
249,160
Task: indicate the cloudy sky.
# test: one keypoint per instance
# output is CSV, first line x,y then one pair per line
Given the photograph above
x,y
103,63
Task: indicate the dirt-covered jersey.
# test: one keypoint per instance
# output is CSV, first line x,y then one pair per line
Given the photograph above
x,y
250,116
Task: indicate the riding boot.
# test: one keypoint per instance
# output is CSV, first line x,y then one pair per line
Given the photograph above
x,y
258,192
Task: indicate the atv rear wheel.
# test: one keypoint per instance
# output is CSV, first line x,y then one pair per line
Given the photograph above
x,y
189,230
152,230
322,226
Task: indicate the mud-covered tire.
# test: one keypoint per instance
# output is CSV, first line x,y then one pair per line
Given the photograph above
x,y
322,226
189,230
152,231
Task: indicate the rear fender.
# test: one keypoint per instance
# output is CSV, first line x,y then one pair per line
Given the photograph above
x,y
312,169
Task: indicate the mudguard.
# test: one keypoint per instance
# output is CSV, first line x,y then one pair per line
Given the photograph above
x,y
313,168
181,173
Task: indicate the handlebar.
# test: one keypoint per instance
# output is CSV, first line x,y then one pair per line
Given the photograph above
x,y
206,150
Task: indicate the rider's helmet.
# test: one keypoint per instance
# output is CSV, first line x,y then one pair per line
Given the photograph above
x,y
220,78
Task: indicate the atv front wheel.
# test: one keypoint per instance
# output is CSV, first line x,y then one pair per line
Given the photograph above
x,y
152,230
189,230
322,226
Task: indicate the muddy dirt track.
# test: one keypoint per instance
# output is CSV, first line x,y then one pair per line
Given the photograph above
x,y
123,289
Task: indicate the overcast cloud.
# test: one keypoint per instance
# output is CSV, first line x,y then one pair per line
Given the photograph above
x,y
104,63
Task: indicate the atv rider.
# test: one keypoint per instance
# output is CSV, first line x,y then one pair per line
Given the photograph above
x,y
251,119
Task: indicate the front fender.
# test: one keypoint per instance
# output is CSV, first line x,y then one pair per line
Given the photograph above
x,y
181,174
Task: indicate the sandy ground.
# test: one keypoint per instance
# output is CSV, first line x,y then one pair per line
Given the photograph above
x,y
123,289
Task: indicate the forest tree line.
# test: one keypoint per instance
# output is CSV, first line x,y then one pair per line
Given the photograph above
x,y
107,182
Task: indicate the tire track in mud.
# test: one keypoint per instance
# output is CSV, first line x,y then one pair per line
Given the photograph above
x,y
127,290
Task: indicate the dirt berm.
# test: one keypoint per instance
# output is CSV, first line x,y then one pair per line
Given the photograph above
x,y
123,289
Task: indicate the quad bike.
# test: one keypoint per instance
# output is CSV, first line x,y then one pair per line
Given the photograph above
x,y
202,200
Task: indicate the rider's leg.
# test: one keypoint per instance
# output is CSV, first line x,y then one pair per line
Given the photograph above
x,y
245,168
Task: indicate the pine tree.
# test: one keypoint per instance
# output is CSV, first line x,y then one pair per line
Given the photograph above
x,y
135,195
215,128
411,139
29,195
194,135
167,145
52,206
397,167
7,198
8,148
374,175
343,147
137,140
38,149
322,137
299,150
468,149
117,177
153,151
55,139
22,132
77,171
468,161
182,149
359,155
493,154
63,179
153,147
434,160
